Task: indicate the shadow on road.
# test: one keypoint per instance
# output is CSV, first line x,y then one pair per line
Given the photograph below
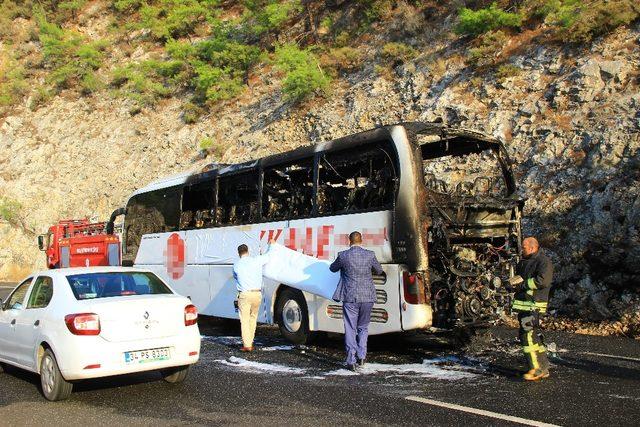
x,y
592,367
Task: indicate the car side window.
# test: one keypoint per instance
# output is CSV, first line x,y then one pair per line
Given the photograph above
x,y
42,293
16,299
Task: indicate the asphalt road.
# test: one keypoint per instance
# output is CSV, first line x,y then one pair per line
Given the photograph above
x,y
412,379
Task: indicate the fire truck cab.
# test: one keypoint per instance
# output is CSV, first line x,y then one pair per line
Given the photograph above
x,y
80,243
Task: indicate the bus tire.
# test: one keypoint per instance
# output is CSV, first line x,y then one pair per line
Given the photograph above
x,y
293,317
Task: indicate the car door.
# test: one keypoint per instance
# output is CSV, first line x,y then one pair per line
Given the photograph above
x,y
9,311
30,322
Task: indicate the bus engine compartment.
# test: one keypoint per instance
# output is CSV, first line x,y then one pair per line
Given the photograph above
x,y
474,218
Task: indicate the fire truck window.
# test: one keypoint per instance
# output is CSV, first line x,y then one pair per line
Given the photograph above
x,y
198,206
357,179
42,293
237,199
152,212
287,191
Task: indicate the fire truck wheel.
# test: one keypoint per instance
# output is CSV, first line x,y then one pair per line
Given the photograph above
x,y
292,316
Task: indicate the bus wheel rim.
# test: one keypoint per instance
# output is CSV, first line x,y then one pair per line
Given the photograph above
x,y
292,316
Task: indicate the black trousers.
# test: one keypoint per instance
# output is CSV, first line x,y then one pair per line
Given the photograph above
x,y
531,341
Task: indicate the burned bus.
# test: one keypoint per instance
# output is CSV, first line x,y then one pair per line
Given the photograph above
x,y
437,205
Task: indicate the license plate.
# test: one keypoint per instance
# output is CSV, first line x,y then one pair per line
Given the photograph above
x,y
146,356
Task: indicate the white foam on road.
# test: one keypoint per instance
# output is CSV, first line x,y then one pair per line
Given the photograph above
x,y
277,348
429,368
223,340
248,365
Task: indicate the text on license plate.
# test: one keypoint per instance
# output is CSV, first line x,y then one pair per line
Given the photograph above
x,y
146,356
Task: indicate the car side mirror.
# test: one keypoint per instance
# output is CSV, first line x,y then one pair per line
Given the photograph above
x,y
41,242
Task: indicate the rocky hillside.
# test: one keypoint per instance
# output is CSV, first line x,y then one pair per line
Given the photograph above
x,y
99,98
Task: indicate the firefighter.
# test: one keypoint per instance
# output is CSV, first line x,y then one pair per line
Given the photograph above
x,y
533,280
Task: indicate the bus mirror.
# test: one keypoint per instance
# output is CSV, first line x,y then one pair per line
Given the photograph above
x,y
41,244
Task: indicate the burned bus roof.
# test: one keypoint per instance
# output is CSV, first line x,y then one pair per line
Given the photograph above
x,y
447,141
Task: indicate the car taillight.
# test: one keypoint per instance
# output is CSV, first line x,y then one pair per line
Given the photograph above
x,y
83,323
413,288
190,315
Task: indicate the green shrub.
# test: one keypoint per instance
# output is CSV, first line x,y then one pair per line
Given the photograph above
x,y
72,6
70,56
216,84
507,70
374,10
303,75
264,16
127,5
12,82
206,143
343,59
145,82
217,149
488,48
10,210
398,52
476,22
172,18
40,96
598,18
191,112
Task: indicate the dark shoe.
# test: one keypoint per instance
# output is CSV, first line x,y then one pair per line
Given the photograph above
x,y
361,362
352,368
246,349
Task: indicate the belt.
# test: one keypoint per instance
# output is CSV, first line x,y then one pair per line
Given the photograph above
x,y
252,290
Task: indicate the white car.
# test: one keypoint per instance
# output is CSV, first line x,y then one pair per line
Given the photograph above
x,y
79,323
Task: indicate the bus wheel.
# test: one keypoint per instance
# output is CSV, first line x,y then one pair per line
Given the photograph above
x,y
293,317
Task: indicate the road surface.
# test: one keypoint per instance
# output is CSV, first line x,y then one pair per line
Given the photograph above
x,y
415,379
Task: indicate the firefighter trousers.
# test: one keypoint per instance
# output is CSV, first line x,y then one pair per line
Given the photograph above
x,y
531,341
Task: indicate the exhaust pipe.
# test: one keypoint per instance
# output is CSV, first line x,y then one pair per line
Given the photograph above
x,y
112,219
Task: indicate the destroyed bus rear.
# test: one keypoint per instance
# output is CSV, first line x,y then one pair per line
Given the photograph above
x,y
447,235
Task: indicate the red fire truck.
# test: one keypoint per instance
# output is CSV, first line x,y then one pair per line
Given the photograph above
x,y
80,243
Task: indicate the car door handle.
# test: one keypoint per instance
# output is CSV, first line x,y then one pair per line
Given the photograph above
x,y
13,322
36,323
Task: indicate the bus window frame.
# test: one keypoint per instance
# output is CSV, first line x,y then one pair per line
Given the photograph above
x,y
394,164
314,176
255,169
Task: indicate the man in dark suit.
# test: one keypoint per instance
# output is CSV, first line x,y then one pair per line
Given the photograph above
x,y
358,294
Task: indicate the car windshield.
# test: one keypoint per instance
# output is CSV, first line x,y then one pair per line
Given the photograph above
x,y
115,284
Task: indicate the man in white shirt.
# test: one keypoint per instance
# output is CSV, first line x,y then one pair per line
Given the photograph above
x,y
248,274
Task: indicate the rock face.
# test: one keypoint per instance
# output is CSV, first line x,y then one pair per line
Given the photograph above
x,y
571,121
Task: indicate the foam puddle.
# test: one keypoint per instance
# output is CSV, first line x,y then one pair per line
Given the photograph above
x,y
251,366
429,368
223,340
277,348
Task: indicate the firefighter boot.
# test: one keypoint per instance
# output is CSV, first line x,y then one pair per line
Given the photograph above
x,y
536,375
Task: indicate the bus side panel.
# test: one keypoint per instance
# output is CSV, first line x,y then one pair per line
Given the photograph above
x,y
223,290
327,319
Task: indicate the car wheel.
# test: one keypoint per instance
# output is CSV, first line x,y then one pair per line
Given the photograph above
x,y
292,316
54,386
175,375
